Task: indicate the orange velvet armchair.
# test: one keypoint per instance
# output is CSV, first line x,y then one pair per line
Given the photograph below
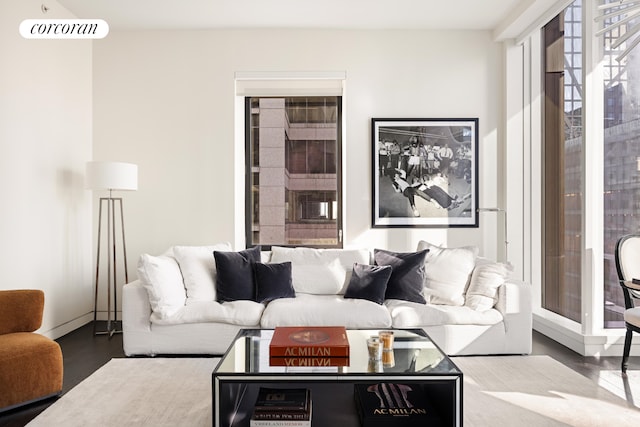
x,y
30,364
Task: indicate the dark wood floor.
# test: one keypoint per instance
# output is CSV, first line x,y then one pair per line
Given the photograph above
x,y
84,353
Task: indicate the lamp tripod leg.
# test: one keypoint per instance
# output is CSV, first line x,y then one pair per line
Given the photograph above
x,y
95,301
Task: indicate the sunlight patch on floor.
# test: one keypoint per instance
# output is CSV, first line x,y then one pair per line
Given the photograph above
x,y
627,387
572,409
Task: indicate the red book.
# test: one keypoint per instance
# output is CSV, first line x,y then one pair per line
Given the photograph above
x,y
308,361
309,341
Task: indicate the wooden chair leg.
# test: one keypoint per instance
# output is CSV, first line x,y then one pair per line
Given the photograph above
x,y
627,349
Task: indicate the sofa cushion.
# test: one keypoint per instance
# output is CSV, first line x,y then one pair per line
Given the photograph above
x,y
162,279
447,272
199,269
320,271
407,274
486,279
368,282
406,314
273,281
325,310
241,312
234,279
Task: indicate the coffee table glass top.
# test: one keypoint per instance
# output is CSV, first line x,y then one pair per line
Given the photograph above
x,y
413,354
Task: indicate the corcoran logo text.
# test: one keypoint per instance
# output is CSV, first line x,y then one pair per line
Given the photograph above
x,y
64,29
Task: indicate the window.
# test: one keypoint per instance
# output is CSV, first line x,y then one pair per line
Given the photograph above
x,y
621,155
293,164
563,145
562,159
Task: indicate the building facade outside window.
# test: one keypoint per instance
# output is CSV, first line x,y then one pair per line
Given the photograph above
x,y
293,147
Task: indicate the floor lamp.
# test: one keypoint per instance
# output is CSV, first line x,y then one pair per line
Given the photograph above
x,y
506,242
111,176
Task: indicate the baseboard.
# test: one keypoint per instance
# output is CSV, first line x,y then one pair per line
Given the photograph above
x,y
610,343
67,327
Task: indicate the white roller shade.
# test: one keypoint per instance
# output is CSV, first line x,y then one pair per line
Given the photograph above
x,y
290,84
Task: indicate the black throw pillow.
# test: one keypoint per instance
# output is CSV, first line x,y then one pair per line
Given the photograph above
x,y
407,274
234,279
273,281
368,282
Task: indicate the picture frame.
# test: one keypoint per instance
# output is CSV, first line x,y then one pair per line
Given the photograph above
x,y
424,172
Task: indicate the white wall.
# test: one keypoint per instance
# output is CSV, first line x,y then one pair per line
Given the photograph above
x,y
45,140
165,100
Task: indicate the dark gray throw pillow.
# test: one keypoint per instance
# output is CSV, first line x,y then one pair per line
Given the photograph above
x,y
368,282
234,279
407,275
273,281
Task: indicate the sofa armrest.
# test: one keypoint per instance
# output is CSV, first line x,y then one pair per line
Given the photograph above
x,y
514,296
514,302
136,314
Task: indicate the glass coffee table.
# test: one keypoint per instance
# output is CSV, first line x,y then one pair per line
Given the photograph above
x,y
417,362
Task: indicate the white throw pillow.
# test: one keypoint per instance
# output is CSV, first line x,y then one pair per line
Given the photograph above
x,y
162,279
318,279
447,272
320,271
487,277
199,269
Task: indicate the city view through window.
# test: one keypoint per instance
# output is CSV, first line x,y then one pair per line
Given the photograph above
x,y
563,151
621,157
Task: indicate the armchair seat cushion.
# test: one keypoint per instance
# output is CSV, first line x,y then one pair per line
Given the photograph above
x,y
632,316
31,366
31,369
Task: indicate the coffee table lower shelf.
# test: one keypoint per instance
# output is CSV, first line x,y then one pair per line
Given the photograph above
x,y
333,397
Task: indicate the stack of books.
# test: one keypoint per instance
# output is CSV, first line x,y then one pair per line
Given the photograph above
x,y
309,346
283,407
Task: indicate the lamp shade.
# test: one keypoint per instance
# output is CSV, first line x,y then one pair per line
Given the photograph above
x,y
112,176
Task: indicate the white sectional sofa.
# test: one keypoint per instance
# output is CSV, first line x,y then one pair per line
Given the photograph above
x,y
467,305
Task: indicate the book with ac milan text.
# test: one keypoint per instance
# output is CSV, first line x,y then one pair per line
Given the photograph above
x,y
309,341
311,362
391,404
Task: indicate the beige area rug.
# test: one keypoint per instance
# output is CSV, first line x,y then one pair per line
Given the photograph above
x,y
498,391
137,392
537,391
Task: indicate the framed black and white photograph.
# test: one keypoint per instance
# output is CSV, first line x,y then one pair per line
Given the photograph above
x,y
425,172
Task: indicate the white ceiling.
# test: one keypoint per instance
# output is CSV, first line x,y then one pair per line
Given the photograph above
x,y
347,14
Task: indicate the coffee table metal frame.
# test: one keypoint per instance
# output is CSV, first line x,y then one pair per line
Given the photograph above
x,y
418,361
